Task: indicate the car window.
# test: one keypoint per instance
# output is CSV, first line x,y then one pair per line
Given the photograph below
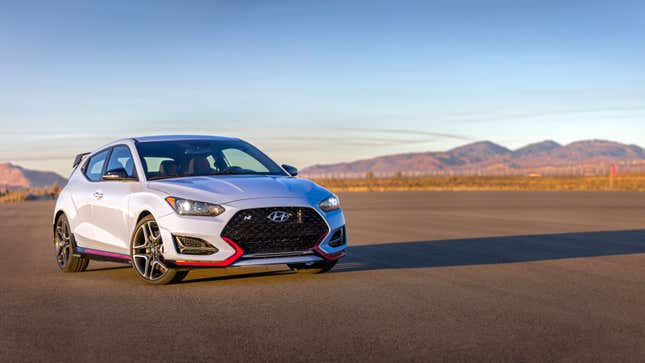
x,y
94,169
212,163
121,158
189,158
236,158
153,164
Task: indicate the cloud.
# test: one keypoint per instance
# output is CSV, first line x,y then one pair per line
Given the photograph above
x,y
440,135
539,114
21,158
53,136
317,144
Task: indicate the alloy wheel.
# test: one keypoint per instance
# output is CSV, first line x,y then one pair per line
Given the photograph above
x,y
62,242
147,252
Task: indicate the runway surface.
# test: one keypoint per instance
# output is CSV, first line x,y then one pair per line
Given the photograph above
x,y
515,277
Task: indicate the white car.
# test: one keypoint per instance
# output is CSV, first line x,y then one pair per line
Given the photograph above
x,y
168,204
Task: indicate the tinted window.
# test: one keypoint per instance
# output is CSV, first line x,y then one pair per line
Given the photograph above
x,y
94,168
240,159
171,159
121,158
153,164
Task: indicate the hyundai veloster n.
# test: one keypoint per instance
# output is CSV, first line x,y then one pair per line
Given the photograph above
x,y
168,204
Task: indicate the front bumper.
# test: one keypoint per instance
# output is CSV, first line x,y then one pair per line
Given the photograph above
x,y
229,253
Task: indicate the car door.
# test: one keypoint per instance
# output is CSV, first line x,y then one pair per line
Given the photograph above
x,y
111,210
84,195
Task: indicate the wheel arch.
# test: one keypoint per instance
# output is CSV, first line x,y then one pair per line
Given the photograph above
x,y
144,213
57,215
144,204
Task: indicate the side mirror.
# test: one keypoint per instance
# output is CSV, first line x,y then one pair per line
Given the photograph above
x,y
116,175
292,170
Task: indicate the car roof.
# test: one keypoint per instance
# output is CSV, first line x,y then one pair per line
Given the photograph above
x,y
183,138
164,138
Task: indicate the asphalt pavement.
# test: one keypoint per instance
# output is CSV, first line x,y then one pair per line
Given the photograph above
x,y
504,277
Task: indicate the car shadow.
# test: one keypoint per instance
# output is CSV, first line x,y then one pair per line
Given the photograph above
x,y
491,250
239,275
459,252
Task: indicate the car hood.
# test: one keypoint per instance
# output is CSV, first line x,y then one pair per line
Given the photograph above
x,y
226,189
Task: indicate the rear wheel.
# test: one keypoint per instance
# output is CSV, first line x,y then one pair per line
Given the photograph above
x,y
65,258
314,268
146,251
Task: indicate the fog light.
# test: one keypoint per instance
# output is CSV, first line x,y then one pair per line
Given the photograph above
x,y
194,246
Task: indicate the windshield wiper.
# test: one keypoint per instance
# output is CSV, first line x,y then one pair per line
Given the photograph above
x,y
163,177
230,172
226,172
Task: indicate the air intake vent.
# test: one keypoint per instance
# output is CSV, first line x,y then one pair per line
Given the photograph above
x,y
194,246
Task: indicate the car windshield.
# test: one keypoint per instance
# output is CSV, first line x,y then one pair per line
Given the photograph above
x,y
186,158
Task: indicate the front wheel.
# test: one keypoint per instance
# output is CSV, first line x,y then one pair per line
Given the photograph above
x,y
146,252
314,268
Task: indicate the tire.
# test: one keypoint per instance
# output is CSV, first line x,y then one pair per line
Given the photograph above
x,y
64,245
315,268
146,253
179,276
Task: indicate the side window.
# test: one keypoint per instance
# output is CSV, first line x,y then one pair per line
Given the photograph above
x,y
121,158
94,168
240,159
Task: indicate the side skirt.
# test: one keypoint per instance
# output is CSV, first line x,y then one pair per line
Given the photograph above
x,y
98,255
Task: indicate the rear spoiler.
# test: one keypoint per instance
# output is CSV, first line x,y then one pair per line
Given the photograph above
x,y
79,158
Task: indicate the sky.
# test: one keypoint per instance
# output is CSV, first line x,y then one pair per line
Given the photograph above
x,y
313,82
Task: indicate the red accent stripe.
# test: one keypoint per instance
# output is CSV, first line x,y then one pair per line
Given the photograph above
x,y
104,253
324,254
238,253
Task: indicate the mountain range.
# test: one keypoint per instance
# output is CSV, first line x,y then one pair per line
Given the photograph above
x,y
488,158
16,177
480,158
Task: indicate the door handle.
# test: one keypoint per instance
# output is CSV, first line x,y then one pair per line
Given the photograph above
x,y
98,195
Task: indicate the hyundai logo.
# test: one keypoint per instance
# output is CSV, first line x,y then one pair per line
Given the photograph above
x,y
278,216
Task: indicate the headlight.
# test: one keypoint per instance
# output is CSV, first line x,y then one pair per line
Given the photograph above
x,y
187,207
330,203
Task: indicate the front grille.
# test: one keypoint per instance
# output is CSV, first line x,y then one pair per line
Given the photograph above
x,y
256,233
